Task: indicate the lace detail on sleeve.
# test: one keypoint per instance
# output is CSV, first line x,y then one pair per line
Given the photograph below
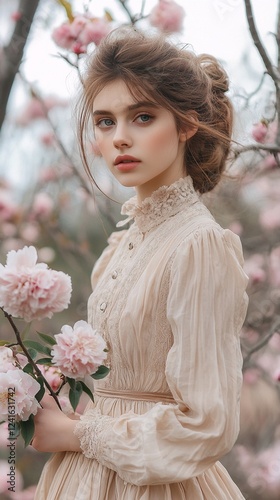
x,y
92,433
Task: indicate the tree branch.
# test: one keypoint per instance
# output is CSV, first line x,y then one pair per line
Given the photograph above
x,y
270,148
33,364
257,41
13,52
274,329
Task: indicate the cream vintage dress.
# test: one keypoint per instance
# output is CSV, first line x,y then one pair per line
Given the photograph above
x,y
169,298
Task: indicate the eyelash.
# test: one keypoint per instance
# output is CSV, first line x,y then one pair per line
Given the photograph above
x,y
100,123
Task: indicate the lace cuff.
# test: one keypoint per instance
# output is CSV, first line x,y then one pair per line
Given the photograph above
x,y
92,433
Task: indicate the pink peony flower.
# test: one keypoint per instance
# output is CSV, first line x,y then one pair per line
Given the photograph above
x,y
32,291
79,350
7,360
259,132
26,387
167,16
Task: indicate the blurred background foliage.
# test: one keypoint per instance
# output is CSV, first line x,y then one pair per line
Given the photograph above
x,y
47,201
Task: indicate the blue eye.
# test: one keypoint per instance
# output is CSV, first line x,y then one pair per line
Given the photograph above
x,y
105,122
144,118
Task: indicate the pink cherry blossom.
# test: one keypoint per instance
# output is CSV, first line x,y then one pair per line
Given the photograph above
x,y
16,16
26,387
270,217
8,209
30,290
94,31
7,360
38,109
79,33
79,350
259,132
167,16
43,206
253,266
30,232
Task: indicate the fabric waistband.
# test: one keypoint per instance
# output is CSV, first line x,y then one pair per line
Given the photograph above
x,y
158,397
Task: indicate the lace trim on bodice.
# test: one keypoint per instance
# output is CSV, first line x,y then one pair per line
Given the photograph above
x,y
162,204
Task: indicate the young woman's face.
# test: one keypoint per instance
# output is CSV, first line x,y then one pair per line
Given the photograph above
x,y
138,140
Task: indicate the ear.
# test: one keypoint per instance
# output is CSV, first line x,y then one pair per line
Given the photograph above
x,y
191,128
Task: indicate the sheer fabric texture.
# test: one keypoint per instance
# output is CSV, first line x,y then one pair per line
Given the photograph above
x,y
169,297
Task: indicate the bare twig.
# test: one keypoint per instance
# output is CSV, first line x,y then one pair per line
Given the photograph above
x,y
270,148
274,329
272,71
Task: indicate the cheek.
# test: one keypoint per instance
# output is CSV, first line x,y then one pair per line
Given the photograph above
x,y
163,140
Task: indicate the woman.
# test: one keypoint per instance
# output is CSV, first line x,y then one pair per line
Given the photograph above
x,y
168,293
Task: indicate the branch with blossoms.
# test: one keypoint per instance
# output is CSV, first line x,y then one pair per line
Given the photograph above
x,y
72,358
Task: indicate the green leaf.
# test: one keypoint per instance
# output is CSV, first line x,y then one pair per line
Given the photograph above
x,y
74,396
44,361
28,368
4,342
108,15
42,390
32,353
25,331
47,338
101,372
68,8
27,430
39,347
87,391
71,382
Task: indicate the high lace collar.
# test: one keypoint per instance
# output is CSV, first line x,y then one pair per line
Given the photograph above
x,y
162,204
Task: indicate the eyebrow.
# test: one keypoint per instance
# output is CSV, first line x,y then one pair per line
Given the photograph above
x,y
132,107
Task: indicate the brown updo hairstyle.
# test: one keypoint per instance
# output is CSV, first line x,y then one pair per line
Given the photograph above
x,y
175,78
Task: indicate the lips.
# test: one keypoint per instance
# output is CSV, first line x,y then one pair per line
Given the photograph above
x,y
126,163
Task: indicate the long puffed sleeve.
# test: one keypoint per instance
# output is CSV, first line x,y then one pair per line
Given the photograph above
x,y
206,307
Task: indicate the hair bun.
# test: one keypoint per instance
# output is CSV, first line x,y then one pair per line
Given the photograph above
x,y
215,73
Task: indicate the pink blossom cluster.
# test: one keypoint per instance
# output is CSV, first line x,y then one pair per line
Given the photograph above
x,y
30,290
270,217
36,109
261,469
78,34
167,16
264,132
42,207
8,209
254,268
79,351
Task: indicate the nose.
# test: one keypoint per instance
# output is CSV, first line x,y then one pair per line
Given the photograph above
x,y
122,137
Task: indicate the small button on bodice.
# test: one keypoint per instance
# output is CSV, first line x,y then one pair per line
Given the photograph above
x,y
130,246
114,275
103,306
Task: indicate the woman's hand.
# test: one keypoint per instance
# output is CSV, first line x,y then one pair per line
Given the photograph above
x,y
54,431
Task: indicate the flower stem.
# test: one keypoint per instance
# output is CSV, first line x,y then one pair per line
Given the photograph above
x,y
33,364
